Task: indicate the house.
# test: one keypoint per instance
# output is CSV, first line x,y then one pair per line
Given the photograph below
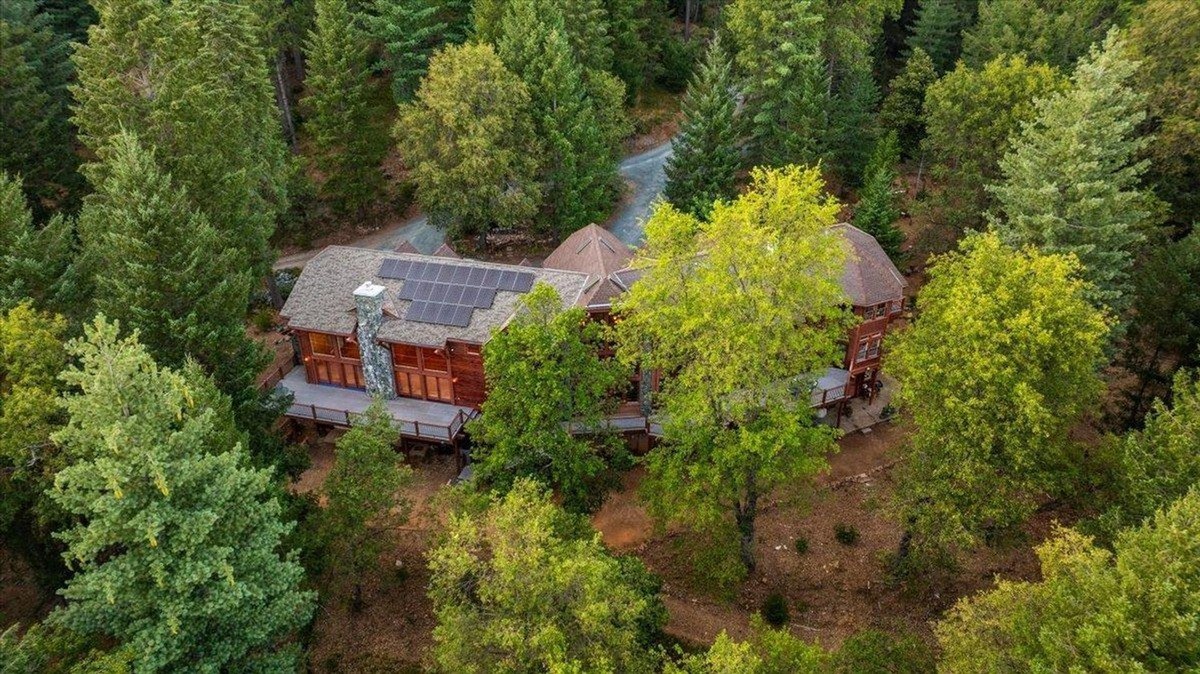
x,y
412,328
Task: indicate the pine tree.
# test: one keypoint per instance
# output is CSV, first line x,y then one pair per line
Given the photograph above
x,y
202,96
937,32
573,109
160,267
37,142
778,55
176,545
409,31
705,155
347,145
1071,183
853,128
902,107
36,263
877,210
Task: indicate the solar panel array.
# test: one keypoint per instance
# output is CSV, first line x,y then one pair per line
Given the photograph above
x,y
448,294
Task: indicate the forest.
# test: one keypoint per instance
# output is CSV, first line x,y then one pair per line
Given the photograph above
x,y
1027,499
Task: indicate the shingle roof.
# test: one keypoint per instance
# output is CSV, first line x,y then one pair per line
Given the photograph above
x,y
869,277
445,250
405,246
597,252
322,299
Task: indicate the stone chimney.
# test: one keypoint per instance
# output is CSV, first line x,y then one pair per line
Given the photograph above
x,y
376,358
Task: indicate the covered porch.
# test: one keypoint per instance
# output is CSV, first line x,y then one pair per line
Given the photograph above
x,y
417,419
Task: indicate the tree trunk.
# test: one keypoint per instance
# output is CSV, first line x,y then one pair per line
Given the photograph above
x,y
273,291
744,515
285,105
687,19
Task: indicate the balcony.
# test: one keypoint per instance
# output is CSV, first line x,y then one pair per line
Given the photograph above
x,y
417,419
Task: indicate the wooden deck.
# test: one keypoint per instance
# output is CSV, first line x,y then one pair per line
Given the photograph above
x,y
416,419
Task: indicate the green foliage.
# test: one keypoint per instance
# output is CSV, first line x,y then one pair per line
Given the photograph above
x,y
937,32
777,51
1133,610
1154,466
524,586
1071,183
362,495
1055,32
35,263
759,277
970,119
878,208
470,143
705,155
999,366
347,146
149,251
1164,332
191,80
409,32
53,650
775,610
846,534
768,651
875,652
801,545
176,540
545,379
902,107
38,139
576,113
677,62
1163,35
634,51
31,356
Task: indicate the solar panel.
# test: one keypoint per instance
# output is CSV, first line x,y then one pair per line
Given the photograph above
x,y
448,294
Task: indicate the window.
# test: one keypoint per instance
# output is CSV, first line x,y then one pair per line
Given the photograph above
x,y
350,350
322,344
896,306
434,361
404,355
862,350
873,346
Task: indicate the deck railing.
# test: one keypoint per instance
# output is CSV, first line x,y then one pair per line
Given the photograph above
x,y
421,430
276,376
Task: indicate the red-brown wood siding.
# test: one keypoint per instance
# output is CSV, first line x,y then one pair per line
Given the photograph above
x,y
466,369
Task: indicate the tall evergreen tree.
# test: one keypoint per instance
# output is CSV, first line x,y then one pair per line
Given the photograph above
x,y
705,155
778,55
937,32
1071,182
1055,32
36,263
157,264
408,31
347,144
38,140
177,541
877,209
573,109
192,80
902,107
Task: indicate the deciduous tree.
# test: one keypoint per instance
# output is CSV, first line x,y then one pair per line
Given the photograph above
x,y
347,144
470,142
705,154
741,310
970,118
524,586
363,495
1001,362
1132,610
1071,181
176,545
549,393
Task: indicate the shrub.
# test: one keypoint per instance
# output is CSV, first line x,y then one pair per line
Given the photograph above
x,y
801,545
775,610
875,652
845,534
264,320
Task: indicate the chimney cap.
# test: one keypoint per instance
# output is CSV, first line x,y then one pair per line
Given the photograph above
x,y
369,289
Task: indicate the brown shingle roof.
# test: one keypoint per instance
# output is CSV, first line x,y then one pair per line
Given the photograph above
x,y
870,277
445,250
597,252
323,300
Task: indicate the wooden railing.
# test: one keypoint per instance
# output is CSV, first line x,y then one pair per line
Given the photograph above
x,y
276,376
422,430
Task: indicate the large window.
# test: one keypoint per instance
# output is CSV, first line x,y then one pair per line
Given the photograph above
x,y
422,372
333,360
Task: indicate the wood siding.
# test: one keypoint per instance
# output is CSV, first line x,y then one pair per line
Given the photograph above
x,y
466,369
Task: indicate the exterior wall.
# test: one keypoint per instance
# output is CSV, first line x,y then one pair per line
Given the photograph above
x,y
863,364
466,371
341,368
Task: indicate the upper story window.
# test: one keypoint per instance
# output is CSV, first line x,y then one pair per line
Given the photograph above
x,y
874,311
323,344
895,306
435,361
404,355
350,350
